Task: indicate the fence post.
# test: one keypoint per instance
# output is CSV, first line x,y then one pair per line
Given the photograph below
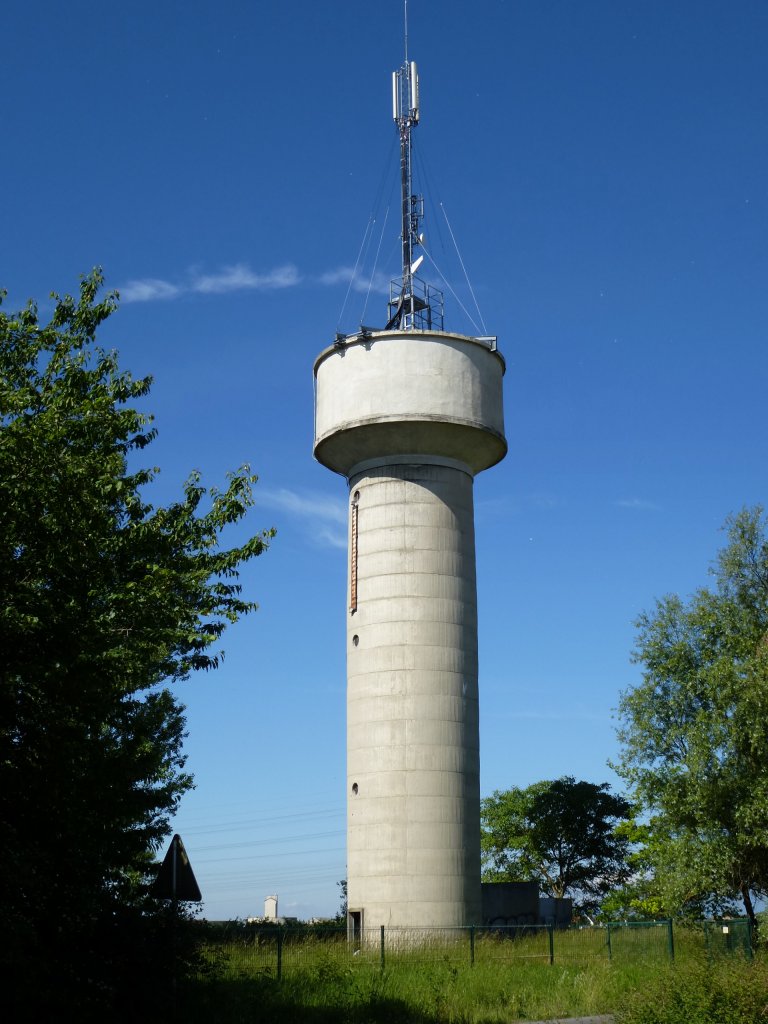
x,y
551,930
472,945
382,947
670,939
279,952
610,951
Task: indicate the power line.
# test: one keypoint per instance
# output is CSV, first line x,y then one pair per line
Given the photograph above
x,y
268,856
239,823
271,839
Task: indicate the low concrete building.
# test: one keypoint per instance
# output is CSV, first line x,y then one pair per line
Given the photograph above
x,y
519,903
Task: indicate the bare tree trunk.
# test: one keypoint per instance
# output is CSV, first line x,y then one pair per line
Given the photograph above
x,y
750,909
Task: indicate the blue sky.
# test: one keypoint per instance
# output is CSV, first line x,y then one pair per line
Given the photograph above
x,y
604,167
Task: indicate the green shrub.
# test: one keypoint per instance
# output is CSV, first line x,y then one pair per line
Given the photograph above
x,y
725,991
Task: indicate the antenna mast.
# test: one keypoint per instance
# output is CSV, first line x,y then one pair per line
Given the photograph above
x,y
413,304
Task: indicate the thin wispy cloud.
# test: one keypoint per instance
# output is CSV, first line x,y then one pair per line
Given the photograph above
x,y
506,505
326,517
378,284
150,289
637,503
542,501
341,275
318,506
333,538
240,277
234,278
503,505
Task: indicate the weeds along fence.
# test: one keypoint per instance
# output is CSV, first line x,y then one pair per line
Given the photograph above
x,y
241,950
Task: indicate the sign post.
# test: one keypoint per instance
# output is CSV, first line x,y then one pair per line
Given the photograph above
x,y
176,881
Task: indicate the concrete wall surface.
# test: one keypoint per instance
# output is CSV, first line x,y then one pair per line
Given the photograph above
x,y
506,903
556,911
409,418
412,711
519,903
400,393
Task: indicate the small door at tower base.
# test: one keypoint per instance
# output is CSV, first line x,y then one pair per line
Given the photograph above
x,y
355,927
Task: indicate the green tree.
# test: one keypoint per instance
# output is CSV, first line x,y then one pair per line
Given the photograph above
x,y
643,896
106,599
693,733
341,915
560,834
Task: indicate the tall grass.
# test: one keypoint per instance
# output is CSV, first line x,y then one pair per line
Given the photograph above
x,y
726,990
414,993
323,982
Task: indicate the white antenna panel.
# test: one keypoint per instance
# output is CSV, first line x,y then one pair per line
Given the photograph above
x,y
414,76
395,90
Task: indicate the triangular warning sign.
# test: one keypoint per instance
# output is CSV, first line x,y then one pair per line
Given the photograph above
x,y
176,879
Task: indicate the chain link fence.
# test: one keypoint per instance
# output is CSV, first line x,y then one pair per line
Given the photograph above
x,y
243,950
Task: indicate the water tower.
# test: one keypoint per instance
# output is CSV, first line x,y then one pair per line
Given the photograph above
x,y
409,414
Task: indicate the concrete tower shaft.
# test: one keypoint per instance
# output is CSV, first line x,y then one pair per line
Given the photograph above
x,y
413,759
409,418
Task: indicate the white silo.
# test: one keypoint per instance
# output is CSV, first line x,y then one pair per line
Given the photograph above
x,y
409,414
270,907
